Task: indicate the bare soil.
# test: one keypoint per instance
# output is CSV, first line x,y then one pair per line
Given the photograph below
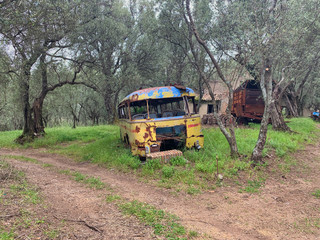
x,y
283,209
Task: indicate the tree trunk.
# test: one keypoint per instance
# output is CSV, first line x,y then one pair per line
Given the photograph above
x,y
277,119
266,88
28,130
200,93
278,123
110,108
37,116
193,31
74,121
292,107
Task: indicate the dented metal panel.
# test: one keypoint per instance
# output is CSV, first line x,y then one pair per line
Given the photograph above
x,y
152,131
142,135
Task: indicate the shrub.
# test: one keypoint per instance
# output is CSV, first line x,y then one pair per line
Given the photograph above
x,y
167,171
153,164
178,161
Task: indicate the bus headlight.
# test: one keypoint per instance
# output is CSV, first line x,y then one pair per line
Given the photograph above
x,y
197,145
147,150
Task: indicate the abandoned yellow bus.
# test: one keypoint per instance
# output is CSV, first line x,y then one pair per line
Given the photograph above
x,y
160,119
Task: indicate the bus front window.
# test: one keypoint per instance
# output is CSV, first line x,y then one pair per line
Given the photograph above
x,y
138,110
167,107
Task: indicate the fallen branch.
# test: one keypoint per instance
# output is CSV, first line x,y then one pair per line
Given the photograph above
x,y
11,215
82,221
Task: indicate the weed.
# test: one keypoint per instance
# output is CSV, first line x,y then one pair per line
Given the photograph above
x,y
253,186
47,165
39,221
153,164
29,194
22,158
6,236
94,183
167,171
79,177
165,183
101,144
133,162
163,223
192,190
90,181
65,172
316,193
52,234
178,161
205,167
112,198
193,234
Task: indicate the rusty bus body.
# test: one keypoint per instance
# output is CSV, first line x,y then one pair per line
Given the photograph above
x,y
158,119
248,102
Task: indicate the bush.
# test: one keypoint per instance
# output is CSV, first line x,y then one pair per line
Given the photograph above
x,y
153,164
167,171
178,161
206,167
134,162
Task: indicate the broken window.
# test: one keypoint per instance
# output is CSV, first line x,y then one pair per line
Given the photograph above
x,y
138,110
123,112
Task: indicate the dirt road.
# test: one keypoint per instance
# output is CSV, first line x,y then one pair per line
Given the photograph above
x,y
284,209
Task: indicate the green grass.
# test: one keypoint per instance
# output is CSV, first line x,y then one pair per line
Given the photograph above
x,y
253,186
21,158
164,224
92,182
6,235
27,192
112,198
196,170
316,193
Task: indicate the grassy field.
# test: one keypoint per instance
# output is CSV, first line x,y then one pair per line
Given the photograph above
x,y
193,173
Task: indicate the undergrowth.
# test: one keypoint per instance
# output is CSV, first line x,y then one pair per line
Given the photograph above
x,y
196,171
163,223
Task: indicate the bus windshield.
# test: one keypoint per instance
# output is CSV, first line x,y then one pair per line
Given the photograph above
x,y
162,108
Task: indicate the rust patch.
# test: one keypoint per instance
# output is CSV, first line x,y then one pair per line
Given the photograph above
x,y
146,135
149,130
139,144
137,129
134,97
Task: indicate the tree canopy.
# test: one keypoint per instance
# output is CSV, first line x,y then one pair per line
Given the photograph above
x,y
71,62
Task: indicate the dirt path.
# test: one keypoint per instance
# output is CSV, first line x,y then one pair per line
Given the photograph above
x,y
285,208
85,213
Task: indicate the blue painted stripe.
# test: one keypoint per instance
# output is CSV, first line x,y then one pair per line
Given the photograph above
x,y
159,92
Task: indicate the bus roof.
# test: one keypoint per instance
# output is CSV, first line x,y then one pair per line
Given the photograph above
x,y
157,93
